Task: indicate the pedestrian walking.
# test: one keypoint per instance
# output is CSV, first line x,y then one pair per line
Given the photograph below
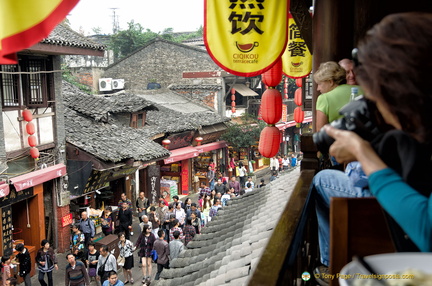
x,y
126,248
145,243
76,272
87,227
77,237
25,263
162,249
175,246
124,199
142,203
188,231
106,263
125,220
6,269
113,280
92,257
107,221
46,261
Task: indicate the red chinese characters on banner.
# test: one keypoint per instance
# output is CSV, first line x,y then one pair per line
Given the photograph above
x,y
297,59
245,37
66,220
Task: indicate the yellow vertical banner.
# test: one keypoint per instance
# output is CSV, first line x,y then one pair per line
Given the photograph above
x,y
24,23
297,59
246,37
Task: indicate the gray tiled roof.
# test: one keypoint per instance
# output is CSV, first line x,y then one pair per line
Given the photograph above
x,y
62,35
97,106
195,86
229,248
110,142
91,123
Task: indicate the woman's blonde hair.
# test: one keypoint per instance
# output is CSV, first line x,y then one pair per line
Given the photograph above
x,y
330,71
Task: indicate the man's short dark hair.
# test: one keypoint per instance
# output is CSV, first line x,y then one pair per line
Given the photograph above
x,y
176,198
176,234
161,232
248,185
111,273
193,205
105,248
19,247
67,255
152,209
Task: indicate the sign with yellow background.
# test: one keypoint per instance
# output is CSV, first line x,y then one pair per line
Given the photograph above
x,y
296,60
245,37
24,23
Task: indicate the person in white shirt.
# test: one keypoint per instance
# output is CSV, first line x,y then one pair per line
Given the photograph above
x,y
285,163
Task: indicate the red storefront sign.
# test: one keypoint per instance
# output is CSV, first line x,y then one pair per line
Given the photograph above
x,y
66,220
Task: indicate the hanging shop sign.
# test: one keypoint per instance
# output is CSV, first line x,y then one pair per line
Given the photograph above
x,y
67,220
15,196
26,22
245,37
297,59
180,140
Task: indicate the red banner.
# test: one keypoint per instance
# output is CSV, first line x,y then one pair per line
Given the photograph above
x,y
245,37
24,23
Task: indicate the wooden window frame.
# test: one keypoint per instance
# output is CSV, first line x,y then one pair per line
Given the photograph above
x,y
135,119
33,90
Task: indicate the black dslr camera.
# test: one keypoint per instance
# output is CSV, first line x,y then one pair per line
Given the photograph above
x,y
360,116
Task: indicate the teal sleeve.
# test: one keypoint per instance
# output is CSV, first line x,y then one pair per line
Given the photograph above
x,y
411,210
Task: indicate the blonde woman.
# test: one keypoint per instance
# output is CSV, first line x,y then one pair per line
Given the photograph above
x,y
330,79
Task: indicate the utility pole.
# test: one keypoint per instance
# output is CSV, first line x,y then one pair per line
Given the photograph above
x,y
115,28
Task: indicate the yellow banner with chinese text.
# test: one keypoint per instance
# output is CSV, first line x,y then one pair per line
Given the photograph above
x,y
297,59
246,38
24,23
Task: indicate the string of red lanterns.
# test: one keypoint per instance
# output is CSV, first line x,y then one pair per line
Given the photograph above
x,y
271,111
298,100
233,98
30,128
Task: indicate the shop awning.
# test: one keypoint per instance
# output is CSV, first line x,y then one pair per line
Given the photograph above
x,y
4,190
282,126
181,154
244,90
211,146
38,177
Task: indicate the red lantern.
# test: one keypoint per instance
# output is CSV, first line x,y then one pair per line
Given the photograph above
x,y
233,110
233,97
27,115
165,143
273,76
299,82
298,114
30,128
298,98
32,141
199,140
269,141
271,106
34,152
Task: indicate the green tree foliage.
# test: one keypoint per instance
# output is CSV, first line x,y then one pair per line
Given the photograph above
x,y
124,42
245,134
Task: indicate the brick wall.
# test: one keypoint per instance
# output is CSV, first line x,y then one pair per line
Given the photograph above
x,y
63,232
160,61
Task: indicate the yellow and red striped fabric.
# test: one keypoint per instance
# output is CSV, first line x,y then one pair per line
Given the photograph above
x,y
24,23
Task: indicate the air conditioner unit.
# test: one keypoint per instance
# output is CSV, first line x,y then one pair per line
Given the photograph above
x,y
105,84
118,84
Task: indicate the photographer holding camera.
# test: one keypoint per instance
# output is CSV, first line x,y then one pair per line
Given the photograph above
x,y
394,69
